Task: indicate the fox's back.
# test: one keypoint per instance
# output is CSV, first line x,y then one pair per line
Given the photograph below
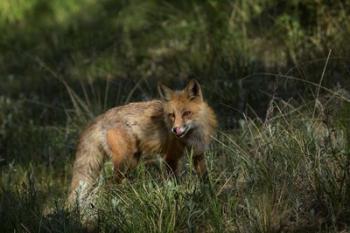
x,y
142,120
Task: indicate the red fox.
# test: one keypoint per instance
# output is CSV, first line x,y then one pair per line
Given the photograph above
x,y
180,120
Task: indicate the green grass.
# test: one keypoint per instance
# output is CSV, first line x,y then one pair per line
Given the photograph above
x,y
287,174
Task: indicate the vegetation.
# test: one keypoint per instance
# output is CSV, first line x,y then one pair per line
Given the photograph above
x,y
276,73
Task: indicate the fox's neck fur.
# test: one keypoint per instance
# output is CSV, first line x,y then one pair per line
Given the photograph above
x,y
199,137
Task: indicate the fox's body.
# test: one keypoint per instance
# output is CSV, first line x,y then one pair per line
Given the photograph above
x,y
180,120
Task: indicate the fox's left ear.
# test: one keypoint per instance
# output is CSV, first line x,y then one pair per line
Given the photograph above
x,y
193,90
164,92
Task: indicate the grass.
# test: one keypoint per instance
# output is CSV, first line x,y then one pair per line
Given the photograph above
x,y
287,174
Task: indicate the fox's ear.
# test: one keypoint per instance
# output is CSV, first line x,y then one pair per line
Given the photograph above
x,y
164,92
193,90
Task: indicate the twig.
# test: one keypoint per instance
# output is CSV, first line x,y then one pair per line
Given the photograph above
x,y
319,84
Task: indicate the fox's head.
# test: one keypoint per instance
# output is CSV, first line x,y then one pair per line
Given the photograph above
x,y
182,108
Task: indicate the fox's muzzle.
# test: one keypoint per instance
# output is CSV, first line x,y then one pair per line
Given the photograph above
x,y
179,131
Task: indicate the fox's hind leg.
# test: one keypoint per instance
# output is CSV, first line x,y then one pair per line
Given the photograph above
x,y
123,149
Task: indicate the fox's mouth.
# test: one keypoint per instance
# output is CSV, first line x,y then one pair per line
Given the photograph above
x,y
181,134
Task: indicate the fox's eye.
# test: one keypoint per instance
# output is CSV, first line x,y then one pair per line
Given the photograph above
x,y
187,113
171,115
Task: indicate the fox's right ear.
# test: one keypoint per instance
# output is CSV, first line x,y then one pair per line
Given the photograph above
x,y
164,92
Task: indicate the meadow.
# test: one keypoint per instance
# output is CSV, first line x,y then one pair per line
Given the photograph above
x,y
275,72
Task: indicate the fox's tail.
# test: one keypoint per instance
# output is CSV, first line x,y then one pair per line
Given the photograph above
x,y
87,166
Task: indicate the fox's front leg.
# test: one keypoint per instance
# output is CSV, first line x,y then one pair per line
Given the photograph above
x,y
172,165
173,155
201,170
200,166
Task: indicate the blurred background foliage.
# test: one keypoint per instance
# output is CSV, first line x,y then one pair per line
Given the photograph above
x,y
237,49
65,61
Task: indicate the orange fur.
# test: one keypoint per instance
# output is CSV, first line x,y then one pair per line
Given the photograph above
x,y
180,120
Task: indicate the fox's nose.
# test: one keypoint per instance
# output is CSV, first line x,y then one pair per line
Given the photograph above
x,y
177,130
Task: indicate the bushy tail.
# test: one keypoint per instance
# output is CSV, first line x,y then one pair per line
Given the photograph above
x,y
87,166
